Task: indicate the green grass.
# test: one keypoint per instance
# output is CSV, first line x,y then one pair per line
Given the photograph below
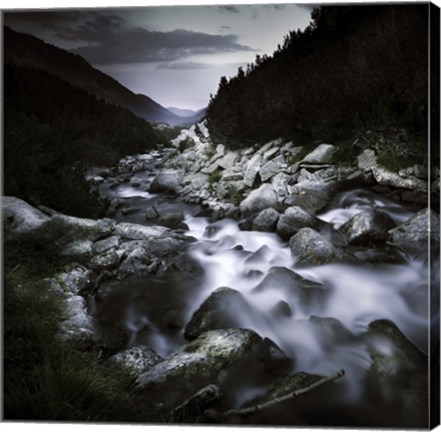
x,y
213,178
45,378
236,197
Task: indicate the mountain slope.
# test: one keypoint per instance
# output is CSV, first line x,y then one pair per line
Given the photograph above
x,y
182,112
26,50
355,68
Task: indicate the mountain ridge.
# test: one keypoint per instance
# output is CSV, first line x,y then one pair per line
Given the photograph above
x,y
27,50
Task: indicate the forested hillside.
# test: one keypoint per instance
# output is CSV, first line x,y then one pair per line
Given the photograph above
x,y
53,131
26,50
352,70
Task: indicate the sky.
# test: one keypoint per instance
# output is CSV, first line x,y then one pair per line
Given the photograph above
x,y
174,54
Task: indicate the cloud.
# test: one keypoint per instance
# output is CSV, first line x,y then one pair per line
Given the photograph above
x,y
276,6
183,66
138,45
228,9
225,27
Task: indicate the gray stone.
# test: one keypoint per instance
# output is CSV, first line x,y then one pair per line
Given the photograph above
x,y
80,251
62,230
231,176
368,226
108,260
290,384
269,170
171,220
398,373
388,178
106,244
78,326
331,331
131,231
280,183
252,169
308,294
293,220
367,160
419,171
196,365
269,154
191,410
228,160
266,220
198,181
78,279
259,199
167,182
136,360
21,221
310,247
221,310
320,155
414,235
49,285
310,195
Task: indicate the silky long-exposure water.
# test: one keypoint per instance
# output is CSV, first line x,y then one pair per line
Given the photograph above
x,y
255,264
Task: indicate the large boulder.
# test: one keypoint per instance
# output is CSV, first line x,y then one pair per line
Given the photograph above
x,y
193,409
368,226
80,251
398,374
310,247
104,245
136,360
259,199
270,169
167,182
77,280
413,236
312,195
21,221
308,294
107,260
320,155
223,309
131,231
266,220
77,326
330,331
389,178
293,220
367,160
252,169
171,219
195,365
66,229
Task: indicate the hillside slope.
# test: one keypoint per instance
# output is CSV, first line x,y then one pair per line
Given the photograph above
x,y
354,69
26,50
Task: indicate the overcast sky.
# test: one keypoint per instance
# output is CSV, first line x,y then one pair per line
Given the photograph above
x,y
174,54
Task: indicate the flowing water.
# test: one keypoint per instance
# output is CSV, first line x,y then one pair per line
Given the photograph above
x,y
356,295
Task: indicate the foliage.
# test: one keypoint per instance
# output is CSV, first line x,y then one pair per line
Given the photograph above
x,y
44,378
213,178
210,151
353,69
53,132
236,197
186,144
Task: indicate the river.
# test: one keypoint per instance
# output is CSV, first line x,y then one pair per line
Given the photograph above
x,y
155,310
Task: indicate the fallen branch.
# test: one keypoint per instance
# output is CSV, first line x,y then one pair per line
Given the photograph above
x,y
288,396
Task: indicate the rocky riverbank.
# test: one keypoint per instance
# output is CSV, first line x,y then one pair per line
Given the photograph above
x,y
279,188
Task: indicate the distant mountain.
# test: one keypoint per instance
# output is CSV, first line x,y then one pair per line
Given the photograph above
x,y
25,50
182,112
